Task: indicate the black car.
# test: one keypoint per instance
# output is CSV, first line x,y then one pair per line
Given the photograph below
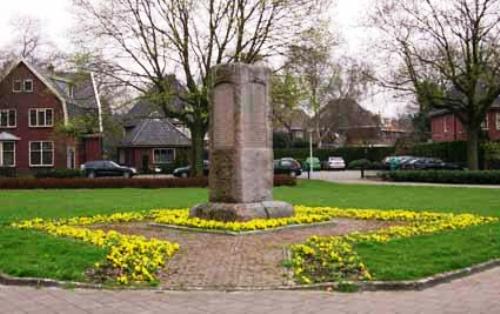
x,y
431,164
185,172
287,166
106,168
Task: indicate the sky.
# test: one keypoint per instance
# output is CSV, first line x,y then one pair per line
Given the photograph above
x,y
348,17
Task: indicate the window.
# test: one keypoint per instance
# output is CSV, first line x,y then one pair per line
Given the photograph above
x,y
164,155
41,154
40,118
17,86
484,125
7,154
445,124
8,118
498,120
28,86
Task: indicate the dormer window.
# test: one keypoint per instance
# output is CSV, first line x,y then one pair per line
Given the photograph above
x,y
28,86
17,86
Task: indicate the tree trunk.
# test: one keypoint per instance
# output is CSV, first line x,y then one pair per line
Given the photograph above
x,y
197,150
472,148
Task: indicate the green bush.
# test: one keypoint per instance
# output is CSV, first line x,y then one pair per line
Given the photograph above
x,y
360,164
58,173
348,153
444,176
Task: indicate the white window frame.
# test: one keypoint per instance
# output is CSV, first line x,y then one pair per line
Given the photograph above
x,y
163,163
37,110
497,119
20,90
32,86
8,120
1,154
485,123
41,165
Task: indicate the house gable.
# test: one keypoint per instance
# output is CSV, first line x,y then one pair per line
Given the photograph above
x,y
21,70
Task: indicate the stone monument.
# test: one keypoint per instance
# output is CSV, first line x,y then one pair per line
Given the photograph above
x,y
241,154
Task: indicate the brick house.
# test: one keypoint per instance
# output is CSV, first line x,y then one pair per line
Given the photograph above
x,y
446,127
33,104
152,141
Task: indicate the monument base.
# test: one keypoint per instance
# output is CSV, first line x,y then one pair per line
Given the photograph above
x,y
242,211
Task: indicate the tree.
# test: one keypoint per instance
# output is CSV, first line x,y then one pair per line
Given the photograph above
x,y
287,93
30,43
145,40
449,52
310,59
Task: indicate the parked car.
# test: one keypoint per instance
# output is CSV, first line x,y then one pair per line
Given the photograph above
x,y
184,172
106,168
336,163
424,163
287,166
316,164
396,162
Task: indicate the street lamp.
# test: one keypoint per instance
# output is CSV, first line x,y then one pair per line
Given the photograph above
x,y
310,172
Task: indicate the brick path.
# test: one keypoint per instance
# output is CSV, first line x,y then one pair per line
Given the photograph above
x,y
222,261
479,293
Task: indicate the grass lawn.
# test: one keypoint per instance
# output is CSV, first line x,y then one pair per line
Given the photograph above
x,y
26,254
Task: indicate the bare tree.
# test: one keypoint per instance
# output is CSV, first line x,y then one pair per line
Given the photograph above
x,y
145,40
30,42
449,52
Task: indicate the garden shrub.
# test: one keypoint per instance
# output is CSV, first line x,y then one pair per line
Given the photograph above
x,y
84,183
58,173
360,164
444,176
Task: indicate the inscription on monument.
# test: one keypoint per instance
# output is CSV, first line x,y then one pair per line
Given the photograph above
x,y
255,117
223,120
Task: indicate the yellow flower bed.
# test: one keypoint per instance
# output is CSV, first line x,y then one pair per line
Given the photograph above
x,y
132,258
181,218
137,259
324,259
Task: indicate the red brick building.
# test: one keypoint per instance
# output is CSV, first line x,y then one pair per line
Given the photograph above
x,y
446,127
151,140
33,103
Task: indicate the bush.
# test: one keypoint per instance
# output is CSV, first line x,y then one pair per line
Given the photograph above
x,y
444,176
84,183
58,173
360,164
348,153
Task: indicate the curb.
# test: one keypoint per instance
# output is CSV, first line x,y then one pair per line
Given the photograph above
x,y
420,284
244,233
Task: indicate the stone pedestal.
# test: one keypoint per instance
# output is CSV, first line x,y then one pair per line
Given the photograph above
x,y
241,155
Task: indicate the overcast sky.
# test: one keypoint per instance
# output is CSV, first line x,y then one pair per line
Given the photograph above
x,y
348,17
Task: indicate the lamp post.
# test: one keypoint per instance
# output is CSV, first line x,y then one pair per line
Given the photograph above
x,y
310,172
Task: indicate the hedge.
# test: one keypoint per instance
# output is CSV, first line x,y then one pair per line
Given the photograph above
x,y
151,183
348,153
58,173
448,151
444,176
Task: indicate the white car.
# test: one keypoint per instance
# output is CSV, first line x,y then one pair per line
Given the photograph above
x,y
336,163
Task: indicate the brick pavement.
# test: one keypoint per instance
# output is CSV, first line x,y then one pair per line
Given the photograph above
x,y
479,293
222,261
